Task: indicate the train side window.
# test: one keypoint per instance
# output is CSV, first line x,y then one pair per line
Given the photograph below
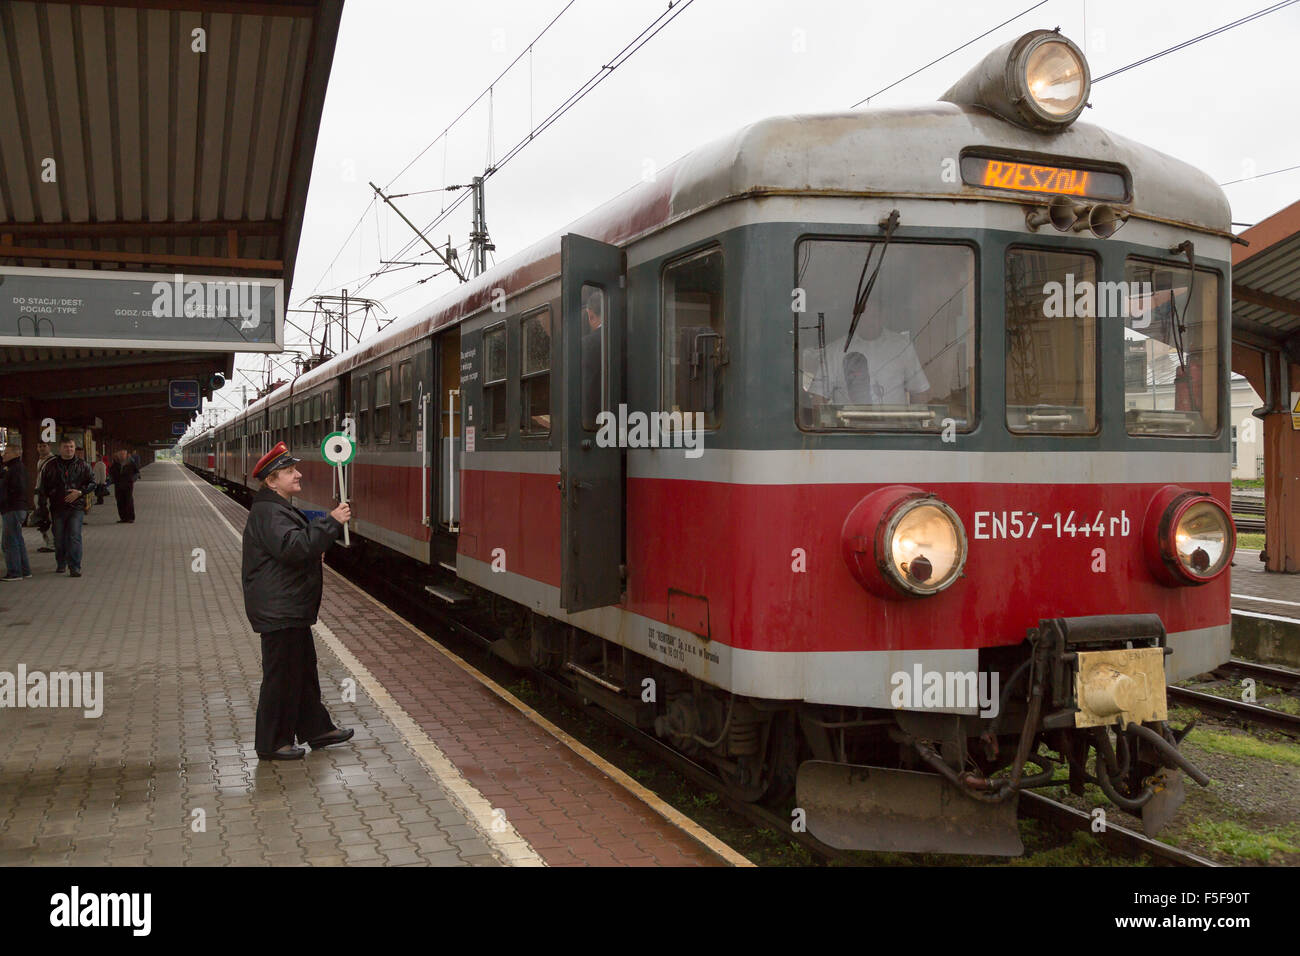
x,y
494,382
1051,342
384,406
694,347
886,337
316,434
363,409
1171,347
405,394
297,424
329,414
595,365
535,373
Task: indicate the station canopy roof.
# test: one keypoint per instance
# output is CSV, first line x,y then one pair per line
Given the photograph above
x,y
155,139
1266,283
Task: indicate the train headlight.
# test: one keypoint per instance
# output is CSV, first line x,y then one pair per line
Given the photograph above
x,y
1040,80
1188,536
1201,537
900,541
1056,79
927,545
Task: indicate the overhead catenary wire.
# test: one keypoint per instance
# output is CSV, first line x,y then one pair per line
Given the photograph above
x,y
486,92
868,99
1197,39
648,33
1247,179
434,141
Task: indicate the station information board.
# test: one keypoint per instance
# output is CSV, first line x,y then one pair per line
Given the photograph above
x,y
101,309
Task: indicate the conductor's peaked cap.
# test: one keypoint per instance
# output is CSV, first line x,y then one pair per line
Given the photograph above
x,y
277,457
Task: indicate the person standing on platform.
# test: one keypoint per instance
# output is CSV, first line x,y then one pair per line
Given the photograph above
x,y
42,506
282,578
124,474
100,469
13,509
65,481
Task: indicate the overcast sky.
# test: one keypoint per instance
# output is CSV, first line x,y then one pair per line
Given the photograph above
x,y
404,69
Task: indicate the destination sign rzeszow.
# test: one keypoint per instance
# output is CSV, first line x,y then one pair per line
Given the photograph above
x,y
1036,178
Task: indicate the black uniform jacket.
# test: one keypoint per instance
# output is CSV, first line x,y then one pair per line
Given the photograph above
x,y
123,474
59,477
13,486
282,563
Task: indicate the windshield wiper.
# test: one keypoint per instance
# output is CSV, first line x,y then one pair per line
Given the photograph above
x,y
860,297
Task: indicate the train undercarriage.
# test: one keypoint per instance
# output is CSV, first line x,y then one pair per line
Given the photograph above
x,y
1081,702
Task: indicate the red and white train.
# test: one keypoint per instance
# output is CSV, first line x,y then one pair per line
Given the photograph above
x,y
865,451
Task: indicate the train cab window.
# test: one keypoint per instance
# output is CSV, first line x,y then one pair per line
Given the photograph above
x,y
405,394
1051,342
535,373
384,406
694,347
494,382
886,337
1171,349
363,410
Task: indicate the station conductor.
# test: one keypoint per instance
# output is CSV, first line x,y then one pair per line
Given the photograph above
x,y
282,578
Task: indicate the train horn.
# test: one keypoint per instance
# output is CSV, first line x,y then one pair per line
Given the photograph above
x,y
1105,221
1066,215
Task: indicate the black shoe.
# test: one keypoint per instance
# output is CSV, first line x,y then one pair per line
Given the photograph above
x,y
287,752
12,577
60,570
74,574
336,736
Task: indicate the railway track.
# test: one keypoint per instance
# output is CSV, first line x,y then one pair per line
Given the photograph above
x,y
1252,510
1288,680
1118,839
1247,714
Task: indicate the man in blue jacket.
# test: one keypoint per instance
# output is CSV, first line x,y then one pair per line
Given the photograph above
x,y
282,578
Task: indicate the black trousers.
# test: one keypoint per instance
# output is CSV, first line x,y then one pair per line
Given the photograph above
x,y
125,495
289,704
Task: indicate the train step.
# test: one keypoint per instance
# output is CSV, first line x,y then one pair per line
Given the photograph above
x,y
448,566
449,595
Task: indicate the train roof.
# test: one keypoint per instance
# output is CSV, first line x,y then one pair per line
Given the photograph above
x,y
886,151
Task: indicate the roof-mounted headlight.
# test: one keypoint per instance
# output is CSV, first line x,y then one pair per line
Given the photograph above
x,y
1040,80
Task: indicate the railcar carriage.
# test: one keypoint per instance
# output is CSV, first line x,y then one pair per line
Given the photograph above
x,y
882,455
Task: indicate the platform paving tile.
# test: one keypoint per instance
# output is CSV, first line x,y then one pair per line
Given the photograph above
x,y
499,751
167,773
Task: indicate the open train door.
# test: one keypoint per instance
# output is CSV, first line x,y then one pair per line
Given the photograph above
x,y
591,472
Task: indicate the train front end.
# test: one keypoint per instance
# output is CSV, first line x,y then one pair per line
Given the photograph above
x,y
1014,389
